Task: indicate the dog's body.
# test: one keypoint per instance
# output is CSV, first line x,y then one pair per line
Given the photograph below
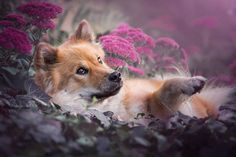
x,y
74,73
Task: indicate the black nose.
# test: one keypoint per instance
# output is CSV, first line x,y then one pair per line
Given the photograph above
x,y
114,77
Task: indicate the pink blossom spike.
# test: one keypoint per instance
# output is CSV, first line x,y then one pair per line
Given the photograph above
x,y
119,46
121,30
44,24
14,39
146,51
5,23
40,10
136,35
115,62
17,19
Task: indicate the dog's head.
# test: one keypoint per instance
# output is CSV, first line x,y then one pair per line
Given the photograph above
x,y
76,67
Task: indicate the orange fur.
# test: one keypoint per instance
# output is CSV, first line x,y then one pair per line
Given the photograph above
x,y
56,73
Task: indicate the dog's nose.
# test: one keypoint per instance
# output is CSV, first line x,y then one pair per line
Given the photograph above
x,y
114,77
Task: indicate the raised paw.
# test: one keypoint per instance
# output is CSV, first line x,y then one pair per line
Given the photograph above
x,y
193,85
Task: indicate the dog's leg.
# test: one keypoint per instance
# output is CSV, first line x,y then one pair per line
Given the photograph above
x,y
172,93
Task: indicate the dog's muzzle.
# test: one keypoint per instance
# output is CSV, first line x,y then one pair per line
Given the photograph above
x,y
110,86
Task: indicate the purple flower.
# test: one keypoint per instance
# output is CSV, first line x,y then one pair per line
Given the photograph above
x,y
121,30
14,39
167,42
142,42
115,62
44,24
17,19
128,43
119,46
135,35
136,70
5,23
147,51
40,10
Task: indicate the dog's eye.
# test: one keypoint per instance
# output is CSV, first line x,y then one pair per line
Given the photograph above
x,y
82,71
100,60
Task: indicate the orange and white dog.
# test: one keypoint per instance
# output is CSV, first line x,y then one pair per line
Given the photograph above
x,y
74,73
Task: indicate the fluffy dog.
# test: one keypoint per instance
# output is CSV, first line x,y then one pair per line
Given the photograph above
x,y
74,73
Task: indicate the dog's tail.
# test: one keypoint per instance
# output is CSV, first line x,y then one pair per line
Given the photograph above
x,y
218,96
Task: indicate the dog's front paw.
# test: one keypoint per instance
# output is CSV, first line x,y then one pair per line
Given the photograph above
x,y
193,85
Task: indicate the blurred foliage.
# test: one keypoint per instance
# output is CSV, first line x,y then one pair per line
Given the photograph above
x,y
31,126
17,48
102,17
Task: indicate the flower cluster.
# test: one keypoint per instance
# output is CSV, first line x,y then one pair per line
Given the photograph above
x,y
135,36
132,44
15,28
40,10
127,43
170,54
119,46
5,23
17,20
43,24
41,13
14,39
114,62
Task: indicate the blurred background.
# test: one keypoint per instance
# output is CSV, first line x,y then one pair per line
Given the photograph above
x,y
205,29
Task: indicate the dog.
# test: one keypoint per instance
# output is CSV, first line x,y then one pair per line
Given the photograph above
x,y
76,77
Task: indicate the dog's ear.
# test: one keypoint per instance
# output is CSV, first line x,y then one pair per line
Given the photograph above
x,y
85,32
45,55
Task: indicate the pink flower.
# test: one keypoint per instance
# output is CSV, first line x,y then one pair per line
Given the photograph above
x,y
115,62
167,42
128,43
136,70
147,51
134,35
121,30
44,24
17,19
5,23
40,10
119,46
14,39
